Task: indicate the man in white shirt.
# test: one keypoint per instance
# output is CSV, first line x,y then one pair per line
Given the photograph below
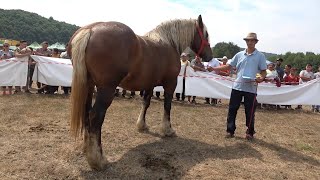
x,y
213,63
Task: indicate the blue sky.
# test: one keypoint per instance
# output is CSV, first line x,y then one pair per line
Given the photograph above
x,y
281,25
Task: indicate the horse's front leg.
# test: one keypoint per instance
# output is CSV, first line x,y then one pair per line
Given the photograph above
x,y
166,128
92,136
141,122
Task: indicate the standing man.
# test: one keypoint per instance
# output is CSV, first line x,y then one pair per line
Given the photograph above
x,y
20,52
213,63
248,63
279,69
184,60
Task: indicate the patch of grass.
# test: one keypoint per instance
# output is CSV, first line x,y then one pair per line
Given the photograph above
x,y
304,147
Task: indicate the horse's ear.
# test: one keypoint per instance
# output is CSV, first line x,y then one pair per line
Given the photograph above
x,y
200,23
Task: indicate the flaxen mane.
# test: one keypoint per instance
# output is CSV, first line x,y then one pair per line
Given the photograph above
x,y
177,33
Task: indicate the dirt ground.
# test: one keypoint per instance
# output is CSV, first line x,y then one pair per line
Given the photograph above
x,y
35,142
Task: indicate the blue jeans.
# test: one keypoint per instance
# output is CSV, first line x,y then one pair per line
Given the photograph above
x,y
250,104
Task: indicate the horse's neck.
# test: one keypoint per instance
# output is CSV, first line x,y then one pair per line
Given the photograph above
x,y
180,40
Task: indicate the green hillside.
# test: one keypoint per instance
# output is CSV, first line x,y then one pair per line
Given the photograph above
x,y
19,24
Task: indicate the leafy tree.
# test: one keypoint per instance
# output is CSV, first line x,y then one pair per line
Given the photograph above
x,y
19,24
299,60
225,49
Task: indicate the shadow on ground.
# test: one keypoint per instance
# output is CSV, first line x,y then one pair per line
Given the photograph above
x,y
171,158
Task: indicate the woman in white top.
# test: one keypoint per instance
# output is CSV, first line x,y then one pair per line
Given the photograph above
x,y
271,73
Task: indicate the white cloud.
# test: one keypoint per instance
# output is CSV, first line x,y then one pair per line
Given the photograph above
x,y
281,25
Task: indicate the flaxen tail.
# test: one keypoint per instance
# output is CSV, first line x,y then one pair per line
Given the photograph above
x,y
79,92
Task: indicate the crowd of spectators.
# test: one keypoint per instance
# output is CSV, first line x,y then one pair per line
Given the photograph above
x,y
275,73
22,50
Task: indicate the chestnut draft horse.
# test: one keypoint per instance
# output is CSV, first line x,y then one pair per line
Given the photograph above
x,y
110,54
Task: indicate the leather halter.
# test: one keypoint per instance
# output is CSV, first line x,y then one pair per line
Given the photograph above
x,y
204,42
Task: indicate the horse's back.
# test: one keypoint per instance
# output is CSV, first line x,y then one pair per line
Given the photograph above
x,y
116,55
109,51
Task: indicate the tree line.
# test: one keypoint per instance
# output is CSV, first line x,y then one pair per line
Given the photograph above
x,y
298,60
23,25
19,24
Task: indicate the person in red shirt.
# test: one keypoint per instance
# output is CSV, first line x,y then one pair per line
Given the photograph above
x,y
225,72
292,78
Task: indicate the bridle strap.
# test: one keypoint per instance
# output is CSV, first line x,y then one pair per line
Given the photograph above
x,y
204,42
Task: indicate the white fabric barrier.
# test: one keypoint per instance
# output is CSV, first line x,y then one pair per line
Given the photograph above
x,y
205,84
14,71
52,71
58,72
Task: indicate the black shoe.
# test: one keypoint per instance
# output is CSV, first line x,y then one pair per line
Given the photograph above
x,y
229,135
249,137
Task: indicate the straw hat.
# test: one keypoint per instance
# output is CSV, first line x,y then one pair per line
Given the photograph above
x,y
184,54
6,42
251,35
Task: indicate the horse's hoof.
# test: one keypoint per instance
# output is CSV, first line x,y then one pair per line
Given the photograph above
x,y
143,129
98,165
169,133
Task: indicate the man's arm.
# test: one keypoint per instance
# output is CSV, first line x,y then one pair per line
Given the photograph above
x,y
196,68
304,77
19,55
219,68
263,74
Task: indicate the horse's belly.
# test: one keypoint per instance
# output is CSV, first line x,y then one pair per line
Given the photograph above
x,y
139,82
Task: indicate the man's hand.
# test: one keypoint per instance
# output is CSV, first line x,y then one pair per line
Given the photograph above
x,y
259,79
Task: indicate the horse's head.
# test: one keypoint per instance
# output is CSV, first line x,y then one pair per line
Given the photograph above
x,y
200,44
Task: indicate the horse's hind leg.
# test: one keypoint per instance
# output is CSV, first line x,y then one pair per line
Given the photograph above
x,y
141,123
166,128
87,110
92,139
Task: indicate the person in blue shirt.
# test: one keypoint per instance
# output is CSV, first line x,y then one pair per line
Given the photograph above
x,y
248,63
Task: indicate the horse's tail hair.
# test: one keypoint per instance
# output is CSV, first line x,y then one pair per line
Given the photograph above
x,y
79,90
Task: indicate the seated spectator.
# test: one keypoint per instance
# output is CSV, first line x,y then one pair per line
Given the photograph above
x,y
6,53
